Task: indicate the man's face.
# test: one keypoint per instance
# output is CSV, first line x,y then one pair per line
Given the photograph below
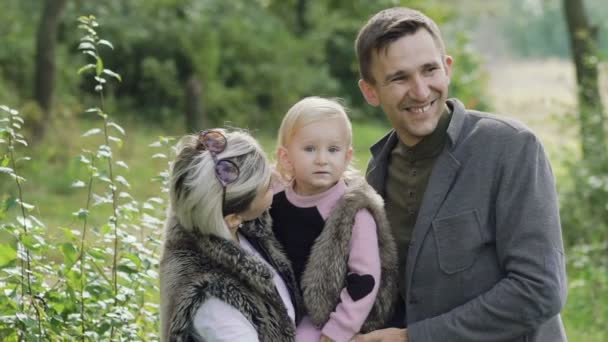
x,y
412,78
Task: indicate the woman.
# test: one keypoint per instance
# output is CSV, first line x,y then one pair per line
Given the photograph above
x,y
222,275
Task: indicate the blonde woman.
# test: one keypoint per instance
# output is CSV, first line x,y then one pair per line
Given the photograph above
x,y
223,277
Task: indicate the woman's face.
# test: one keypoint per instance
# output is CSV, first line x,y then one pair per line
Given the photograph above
x,y
260,203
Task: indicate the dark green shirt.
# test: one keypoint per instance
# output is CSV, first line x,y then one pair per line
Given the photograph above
x,y
409,170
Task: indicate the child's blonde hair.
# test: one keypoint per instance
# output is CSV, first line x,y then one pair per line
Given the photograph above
x,y
308,110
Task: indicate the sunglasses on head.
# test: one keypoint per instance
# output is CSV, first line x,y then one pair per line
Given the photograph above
x,y
226,171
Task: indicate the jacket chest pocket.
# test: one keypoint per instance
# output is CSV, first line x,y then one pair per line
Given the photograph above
x,y
458,239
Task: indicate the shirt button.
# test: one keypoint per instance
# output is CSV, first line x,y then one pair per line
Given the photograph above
x,y
413,172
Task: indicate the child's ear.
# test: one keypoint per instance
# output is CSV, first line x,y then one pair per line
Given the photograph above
x,y
349,155
283,158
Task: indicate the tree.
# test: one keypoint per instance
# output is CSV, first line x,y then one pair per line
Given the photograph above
x,y
45,62
584,45
590,178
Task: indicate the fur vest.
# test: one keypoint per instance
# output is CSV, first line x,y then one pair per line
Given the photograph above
x,y
325,274
195,266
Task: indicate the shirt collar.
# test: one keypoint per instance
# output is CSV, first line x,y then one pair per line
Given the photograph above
x,y
432,144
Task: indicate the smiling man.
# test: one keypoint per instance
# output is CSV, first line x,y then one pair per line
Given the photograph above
x,y
470,197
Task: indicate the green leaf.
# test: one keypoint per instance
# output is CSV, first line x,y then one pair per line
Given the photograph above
x,y
99,69
78,184
86,46
8,254
96,254
69,252
113,74
6,170
86,68
120,129
126,269
106,43
118,141
81,214
92,132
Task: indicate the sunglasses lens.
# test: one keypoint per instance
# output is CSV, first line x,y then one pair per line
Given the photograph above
x,y
214,141
226,171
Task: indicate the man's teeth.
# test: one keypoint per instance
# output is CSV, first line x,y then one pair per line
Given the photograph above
x,y
420,109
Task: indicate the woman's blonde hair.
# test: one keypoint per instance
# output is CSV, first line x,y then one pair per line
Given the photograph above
x,y
308,110
195,192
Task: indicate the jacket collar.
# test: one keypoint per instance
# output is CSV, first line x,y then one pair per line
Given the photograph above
x,y
380,151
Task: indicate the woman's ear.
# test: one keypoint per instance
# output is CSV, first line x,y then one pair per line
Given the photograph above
x,y
233,221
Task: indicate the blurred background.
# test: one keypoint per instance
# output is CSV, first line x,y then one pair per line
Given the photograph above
x,y
186,65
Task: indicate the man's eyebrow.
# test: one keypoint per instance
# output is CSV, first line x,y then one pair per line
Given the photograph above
x,y
402,73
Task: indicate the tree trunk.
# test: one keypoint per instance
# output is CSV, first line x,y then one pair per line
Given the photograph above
x,y
301,22
195,115
584,45
45,62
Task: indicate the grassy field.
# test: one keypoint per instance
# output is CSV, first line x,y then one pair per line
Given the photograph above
x,y
541,94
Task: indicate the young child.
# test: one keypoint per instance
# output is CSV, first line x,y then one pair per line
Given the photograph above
x,y
332,226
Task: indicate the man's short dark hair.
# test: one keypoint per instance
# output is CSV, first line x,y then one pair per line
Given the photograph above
x,y
386,27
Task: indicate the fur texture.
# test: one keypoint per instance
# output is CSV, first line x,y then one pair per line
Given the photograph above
x,y
196,266
325,274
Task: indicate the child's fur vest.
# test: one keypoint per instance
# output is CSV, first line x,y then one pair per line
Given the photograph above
x,y
325,274
195,266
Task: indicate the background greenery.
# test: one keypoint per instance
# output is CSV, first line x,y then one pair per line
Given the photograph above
x,y
93,253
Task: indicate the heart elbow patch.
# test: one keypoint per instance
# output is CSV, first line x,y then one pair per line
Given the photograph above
x,y
359,286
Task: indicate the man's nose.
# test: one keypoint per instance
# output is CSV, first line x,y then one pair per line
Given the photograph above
x,y
420,89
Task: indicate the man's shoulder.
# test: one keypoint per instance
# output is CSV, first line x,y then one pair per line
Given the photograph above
x,y
488,129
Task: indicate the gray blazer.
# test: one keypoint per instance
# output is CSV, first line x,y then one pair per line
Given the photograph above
x,y
486,260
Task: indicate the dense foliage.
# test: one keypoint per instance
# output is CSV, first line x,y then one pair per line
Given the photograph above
x,y
253,59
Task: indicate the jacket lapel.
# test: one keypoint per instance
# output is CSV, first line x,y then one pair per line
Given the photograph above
x,y
440,182
377,168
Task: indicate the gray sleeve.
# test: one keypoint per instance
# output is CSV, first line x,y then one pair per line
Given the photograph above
x,y
530,251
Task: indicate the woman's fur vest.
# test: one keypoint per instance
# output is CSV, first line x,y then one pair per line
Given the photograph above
x,y
195,266
325,274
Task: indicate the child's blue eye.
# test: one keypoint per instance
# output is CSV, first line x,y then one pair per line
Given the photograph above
x,y
334,149
309,148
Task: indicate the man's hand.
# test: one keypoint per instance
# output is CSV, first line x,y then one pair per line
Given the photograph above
x,y
325,339
383,335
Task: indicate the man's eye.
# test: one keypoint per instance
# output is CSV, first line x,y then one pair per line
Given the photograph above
x,y
430,70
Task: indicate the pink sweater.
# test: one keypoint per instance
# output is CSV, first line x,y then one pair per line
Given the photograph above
x,y
349,315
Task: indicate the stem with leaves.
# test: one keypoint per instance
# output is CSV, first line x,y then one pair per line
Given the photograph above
x,y
89,45
15,123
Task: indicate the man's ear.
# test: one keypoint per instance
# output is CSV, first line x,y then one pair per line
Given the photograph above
x,y
369,92
447,64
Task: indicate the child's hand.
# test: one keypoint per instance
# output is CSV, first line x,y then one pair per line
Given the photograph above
x,y
325,339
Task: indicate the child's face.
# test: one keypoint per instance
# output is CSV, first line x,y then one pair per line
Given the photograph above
x,y
318,155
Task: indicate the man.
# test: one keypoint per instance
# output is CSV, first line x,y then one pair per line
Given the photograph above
x,y
470,197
